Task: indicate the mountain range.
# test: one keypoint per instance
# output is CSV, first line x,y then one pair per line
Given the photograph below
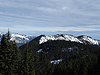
x,y
58,47
22,39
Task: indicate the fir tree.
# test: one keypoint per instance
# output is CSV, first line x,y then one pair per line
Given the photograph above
x,y
36,63
43,63
8,35
16,59
98,65
10,55
6,60
28,62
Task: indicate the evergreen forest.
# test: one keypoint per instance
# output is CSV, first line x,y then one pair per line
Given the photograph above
x,y
77,58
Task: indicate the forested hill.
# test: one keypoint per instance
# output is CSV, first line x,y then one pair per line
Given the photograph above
x,y
69,57
61,49
64,46
53,57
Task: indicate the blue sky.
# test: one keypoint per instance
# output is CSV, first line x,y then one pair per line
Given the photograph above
x,y
36,17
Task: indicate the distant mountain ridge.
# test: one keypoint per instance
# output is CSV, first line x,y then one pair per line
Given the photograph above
x,y
19,39
81,39
22,39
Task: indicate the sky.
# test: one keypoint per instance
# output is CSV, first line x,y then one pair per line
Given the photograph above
x,y
50,17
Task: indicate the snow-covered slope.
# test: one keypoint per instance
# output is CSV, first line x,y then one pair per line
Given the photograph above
x,y
89,40
20,39
66,37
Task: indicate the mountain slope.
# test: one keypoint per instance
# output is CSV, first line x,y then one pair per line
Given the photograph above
x,y
61,49
19,39
63,46
88,40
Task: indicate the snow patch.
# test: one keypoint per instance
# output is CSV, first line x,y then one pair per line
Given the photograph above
x,y
40,50
70,49
56,61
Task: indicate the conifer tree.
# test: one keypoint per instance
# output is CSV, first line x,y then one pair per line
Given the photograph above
x,y
2,49
43,64
28,62
9,54
98,65
6,66
36,63
8,35
3,54
16,59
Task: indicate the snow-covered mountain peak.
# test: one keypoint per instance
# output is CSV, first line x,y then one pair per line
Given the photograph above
x,y
21,38
65,37
87,39
18,38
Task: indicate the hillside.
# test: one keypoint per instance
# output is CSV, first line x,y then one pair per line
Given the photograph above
x,y
64,46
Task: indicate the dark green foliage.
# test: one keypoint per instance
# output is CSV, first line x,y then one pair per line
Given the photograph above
x,y
9,56
81,60
76,67
16,57
6,55
61,49
36,63
28,62
43,64
97,66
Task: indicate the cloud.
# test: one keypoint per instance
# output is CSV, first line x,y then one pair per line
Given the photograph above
x,y
23,28
47,9
50,15
64,8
